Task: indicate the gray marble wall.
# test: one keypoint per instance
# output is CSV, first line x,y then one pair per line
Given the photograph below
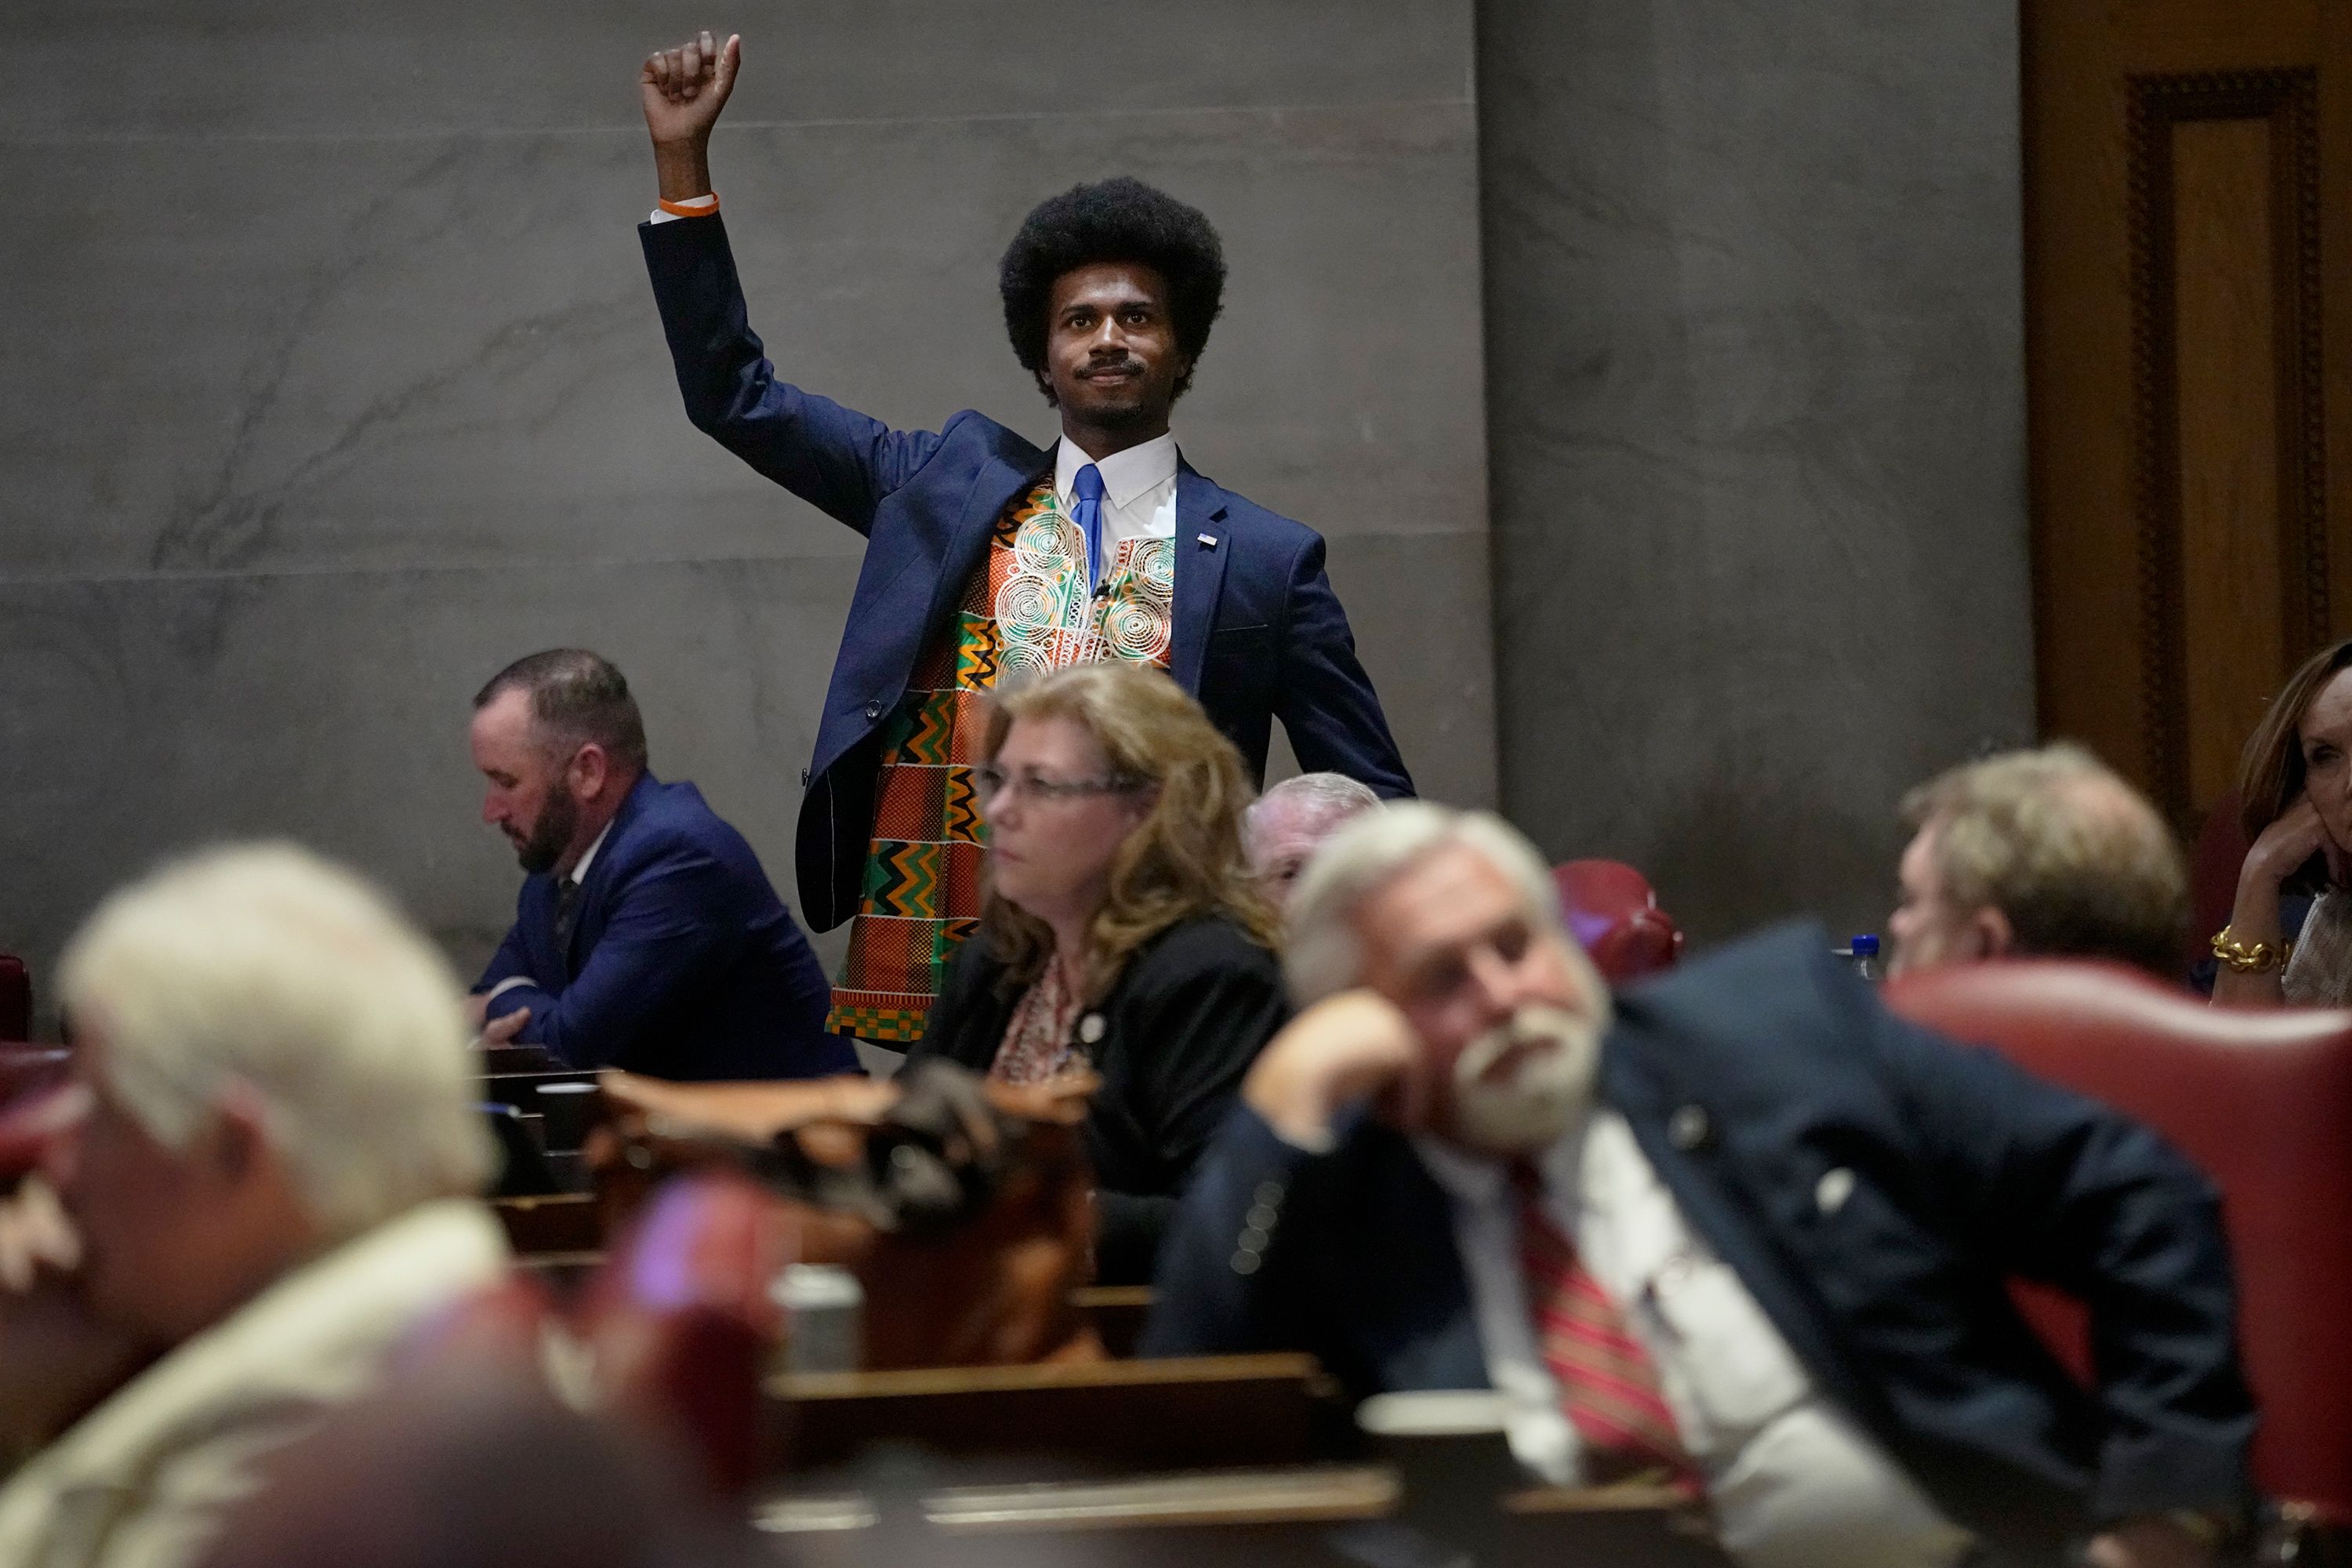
x,y
1756,395
330,381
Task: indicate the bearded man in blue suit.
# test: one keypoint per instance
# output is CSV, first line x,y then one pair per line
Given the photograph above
x,y
1747,1230
987,555
646,936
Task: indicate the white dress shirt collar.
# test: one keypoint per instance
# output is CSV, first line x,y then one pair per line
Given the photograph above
x,y
1128,476
588,856
1481,1179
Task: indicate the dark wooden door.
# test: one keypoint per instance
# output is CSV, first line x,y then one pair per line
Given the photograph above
x,y
2189,376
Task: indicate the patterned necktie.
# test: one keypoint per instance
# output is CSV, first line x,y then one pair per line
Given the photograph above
x,y
1088,488
567,913
1607,1384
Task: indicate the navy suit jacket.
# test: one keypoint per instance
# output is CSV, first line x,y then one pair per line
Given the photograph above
x,y
683,962
1258,631
1746,1079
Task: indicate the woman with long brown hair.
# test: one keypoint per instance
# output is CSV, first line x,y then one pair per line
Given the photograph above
x,y
2296,784
1122,932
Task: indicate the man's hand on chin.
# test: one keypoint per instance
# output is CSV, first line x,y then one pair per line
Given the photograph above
x,y
36,1237
1342,1051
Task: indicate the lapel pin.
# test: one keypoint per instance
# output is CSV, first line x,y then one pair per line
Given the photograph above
x,y
1208,539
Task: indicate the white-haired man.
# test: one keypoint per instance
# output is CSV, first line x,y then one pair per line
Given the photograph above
x,y
1285,827
272,1181
1749,1232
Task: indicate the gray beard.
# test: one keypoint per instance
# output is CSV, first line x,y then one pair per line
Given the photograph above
x,y
1550,1092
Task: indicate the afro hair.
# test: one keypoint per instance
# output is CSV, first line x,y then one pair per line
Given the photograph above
x,y
1120,219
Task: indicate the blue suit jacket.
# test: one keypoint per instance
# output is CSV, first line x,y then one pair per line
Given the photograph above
x,y
1771,1068
683,961
1258,631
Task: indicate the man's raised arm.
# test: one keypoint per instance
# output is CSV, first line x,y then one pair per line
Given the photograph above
x,y
835,458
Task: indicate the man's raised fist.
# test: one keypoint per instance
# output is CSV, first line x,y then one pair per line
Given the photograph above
x,y
684,89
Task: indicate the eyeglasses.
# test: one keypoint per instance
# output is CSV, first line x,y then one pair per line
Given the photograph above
x,y
991,785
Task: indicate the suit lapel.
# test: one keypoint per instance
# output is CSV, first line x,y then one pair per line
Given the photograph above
x,y
1202,549
1684,1140
596,887
967,544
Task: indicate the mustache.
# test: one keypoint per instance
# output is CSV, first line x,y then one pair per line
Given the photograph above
x,y
1529,1031
1126,362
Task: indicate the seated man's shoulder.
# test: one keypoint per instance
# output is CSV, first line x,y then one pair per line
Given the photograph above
x,y
1782,985
676,820
1795,954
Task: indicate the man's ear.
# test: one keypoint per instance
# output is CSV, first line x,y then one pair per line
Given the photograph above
x,y
1989,929
240,1132
587,771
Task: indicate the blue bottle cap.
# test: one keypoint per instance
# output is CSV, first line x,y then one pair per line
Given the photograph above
x,y
1863,946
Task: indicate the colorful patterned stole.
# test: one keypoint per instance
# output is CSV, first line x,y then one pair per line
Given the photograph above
x,y
1024,612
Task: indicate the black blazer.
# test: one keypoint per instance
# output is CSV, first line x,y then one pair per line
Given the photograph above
x,y
1259,635
1746,1078
1181,1025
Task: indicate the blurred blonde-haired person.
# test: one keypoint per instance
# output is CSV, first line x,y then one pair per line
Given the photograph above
x,y
273,1179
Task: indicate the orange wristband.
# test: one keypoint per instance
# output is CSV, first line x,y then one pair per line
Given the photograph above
x,y
676,209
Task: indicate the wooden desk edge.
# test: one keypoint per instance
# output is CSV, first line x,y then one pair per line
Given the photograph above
x,y
913,1382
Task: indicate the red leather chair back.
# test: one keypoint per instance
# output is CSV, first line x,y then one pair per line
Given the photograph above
x,y
2263,1101
678,1320
29,1114
15,999
1613,911
683,1324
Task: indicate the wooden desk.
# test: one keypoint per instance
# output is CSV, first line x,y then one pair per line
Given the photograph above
x,y
1210,1410
1328,1515
567,1222
497,1059
1117,1313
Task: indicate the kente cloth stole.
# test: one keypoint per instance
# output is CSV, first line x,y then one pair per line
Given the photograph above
x,y
1025,611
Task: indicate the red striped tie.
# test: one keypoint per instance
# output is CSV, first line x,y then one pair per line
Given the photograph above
x,y
1607,1383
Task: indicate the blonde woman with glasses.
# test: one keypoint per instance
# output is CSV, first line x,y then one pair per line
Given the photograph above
x,y
1122,932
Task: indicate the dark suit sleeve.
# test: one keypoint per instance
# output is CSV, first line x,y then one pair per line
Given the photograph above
x,y
1203,1019
836,459
1324,698
1221,1285
675,925
2054,1187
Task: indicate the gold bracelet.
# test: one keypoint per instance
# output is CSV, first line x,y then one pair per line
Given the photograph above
x,y
2258,959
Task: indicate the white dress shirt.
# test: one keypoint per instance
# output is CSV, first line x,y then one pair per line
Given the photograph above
x,y
1139,490
1793,1481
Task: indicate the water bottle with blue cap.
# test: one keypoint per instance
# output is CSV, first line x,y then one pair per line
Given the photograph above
x,y
1862,952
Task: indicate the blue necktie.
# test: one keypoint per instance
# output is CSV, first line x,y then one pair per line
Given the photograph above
x,y
1089,487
